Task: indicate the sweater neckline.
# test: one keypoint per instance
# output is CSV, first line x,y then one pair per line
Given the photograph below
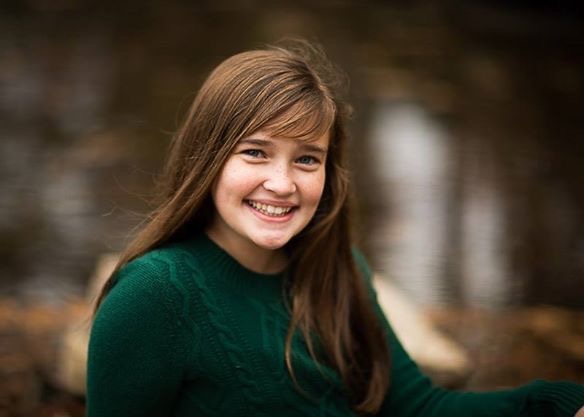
x,y
225,267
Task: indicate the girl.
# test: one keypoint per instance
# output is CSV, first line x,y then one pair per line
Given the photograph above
x,y
242,295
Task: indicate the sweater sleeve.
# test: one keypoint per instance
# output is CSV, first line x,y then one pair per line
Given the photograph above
x,y
412,394
134,359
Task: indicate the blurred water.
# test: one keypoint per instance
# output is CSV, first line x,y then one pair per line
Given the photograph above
x,y
412,166
468,136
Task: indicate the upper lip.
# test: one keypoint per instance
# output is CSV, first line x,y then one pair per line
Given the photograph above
x,y
274,203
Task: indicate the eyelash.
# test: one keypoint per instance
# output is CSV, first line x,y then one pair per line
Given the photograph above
x,y
254,153
258,153
313,160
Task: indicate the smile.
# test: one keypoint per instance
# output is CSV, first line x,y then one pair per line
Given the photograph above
x,y
269,210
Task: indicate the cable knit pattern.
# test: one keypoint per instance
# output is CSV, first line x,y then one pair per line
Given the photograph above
x,y
187,331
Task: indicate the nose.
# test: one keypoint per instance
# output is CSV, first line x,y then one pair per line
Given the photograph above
x,y
280,181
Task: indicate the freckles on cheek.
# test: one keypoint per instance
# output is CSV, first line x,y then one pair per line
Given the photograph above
x,y
314,189
238,182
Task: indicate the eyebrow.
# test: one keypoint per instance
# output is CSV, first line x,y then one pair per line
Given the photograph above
x,y
314,148
309,147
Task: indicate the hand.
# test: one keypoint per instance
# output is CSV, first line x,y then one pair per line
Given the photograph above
x,y
580,413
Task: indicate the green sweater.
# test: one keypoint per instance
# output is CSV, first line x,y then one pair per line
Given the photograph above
x,y
187,331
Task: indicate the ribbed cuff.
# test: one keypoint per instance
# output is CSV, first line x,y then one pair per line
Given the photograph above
x,y
559,399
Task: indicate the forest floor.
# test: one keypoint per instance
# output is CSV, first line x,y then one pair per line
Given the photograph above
x,y
507,348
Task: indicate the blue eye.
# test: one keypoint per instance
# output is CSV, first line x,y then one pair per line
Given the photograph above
x,y
307,160
254,153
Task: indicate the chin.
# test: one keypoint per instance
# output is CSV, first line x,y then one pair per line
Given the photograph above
x,y
272,244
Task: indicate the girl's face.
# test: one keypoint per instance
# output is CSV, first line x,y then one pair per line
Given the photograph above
x,y
267,191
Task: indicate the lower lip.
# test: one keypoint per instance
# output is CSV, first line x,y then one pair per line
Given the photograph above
x,y
272,219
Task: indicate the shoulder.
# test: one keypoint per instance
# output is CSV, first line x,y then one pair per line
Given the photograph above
x,y
160,261
150,271
150,281
158,267
140,319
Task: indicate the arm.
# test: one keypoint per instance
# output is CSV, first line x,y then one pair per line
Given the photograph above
x,y
412,394
134,362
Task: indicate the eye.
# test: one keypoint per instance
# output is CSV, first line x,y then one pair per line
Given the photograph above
x,y
254,153
307,160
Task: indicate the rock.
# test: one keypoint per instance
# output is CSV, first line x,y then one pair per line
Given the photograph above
x,y
445,360
514,346
72,356
103,268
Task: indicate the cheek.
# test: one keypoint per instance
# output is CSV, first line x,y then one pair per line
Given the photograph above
x,y
223,189
233,184
313,189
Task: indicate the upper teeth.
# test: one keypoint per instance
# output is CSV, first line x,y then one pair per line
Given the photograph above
x,y
269,209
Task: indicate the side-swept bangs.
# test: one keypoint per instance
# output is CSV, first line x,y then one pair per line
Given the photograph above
x,y
308,119
274,91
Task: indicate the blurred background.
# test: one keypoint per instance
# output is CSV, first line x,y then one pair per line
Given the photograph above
x,y
467,147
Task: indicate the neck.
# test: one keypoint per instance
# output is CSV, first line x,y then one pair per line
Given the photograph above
x,y
254,258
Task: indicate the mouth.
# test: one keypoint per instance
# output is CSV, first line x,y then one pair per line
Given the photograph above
x,y
270,210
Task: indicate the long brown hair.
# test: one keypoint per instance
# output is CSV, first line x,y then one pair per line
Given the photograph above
x,y
288,92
